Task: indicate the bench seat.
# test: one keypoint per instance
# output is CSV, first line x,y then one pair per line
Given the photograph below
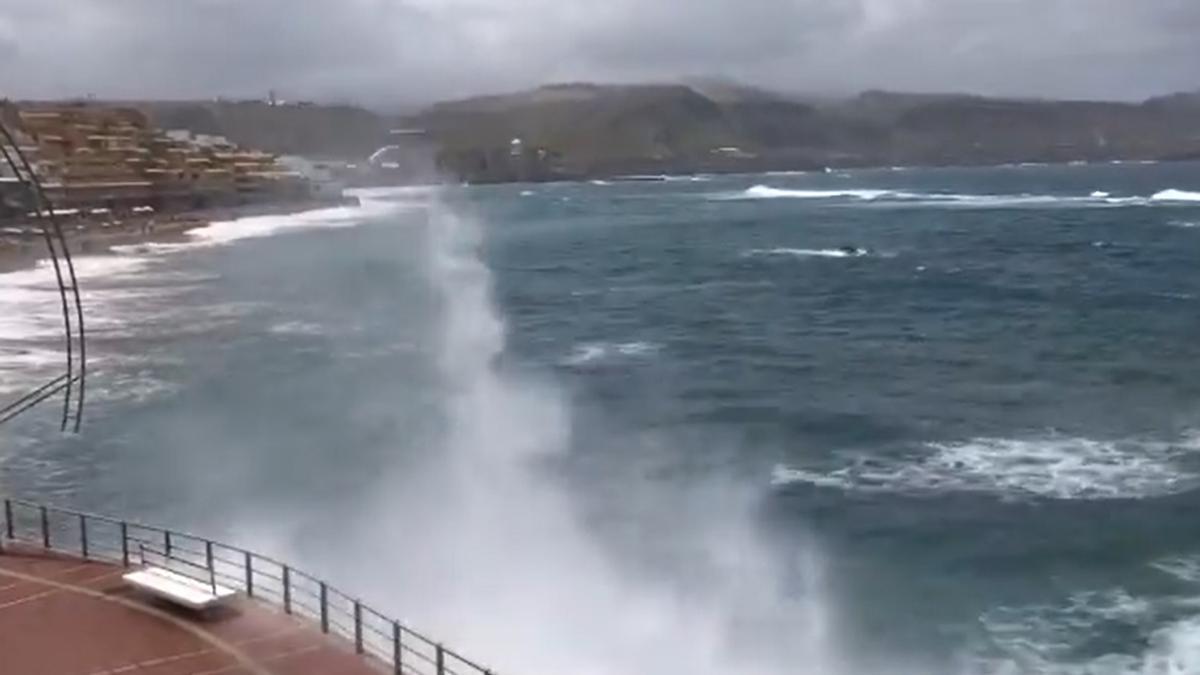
x,y
176,588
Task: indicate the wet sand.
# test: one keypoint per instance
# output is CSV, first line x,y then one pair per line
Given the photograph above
x,y
96,237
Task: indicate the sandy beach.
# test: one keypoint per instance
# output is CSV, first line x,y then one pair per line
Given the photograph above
x,y
22,244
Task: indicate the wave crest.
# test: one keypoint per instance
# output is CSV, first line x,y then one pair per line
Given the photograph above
x,y
1173,195
1052,468
805,253
767,192
593,353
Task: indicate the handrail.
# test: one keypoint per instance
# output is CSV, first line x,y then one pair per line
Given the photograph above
x,y
122,542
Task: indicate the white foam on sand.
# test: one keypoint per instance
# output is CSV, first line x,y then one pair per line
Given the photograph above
x,y
1051,468
225,232
373,202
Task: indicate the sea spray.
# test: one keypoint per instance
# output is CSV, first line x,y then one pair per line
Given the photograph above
x,y
484,546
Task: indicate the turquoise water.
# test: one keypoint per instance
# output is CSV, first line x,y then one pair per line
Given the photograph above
x,y
924,421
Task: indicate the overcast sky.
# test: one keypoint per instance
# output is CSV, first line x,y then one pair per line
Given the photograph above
x,y
392,51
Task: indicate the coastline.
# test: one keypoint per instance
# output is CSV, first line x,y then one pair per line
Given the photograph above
x,y
662,173
24,251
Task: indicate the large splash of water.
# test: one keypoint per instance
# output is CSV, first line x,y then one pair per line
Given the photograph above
x,y
484,544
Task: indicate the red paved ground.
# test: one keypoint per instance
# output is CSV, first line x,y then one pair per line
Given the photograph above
x,y
64,616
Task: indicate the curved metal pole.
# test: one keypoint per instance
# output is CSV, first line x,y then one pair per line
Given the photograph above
x,y
50,234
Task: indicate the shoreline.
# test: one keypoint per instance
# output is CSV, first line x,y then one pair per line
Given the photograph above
x,y
660,173
24,251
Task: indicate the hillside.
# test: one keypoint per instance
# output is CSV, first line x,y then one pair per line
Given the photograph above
x,y
586,130
589,130
303,129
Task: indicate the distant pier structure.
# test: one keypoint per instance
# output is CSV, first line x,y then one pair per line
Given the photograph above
x,y
409,155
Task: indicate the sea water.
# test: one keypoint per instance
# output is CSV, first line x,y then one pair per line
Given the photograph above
x,y
675,427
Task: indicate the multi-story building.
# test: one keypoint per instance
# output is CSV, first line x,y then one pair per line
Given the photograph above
x,y
96,157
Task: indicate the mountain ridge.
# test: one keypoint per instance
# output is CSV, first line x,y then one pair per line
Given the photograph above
x,y
590,130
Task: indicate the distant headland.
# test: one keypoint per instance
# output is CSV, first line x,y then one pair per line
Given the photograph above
x,y
582,130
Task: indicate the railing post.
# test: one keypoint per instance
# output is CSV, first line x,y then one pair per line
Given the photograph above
x,y
83,542
45,527
125,543
358,642
441,660
8,518
212,570
397,650
249,574
287,589
324,608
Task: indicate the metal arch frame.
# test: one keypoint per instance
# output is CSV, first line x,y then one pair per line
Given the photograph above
x,y
68,290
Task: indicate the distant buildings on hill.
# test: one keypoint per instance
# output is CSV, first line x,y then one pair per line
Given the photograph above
x,y
98,158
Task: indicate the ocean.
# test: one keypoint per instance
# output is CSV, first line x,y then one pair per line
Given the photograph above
x,y
887,421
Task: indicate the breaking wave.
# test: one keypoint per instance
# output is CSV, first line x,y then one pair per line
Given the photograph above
x,y
1047,638
1098,198
593,353
1176,196
804,253
372,204
1051,468
766,192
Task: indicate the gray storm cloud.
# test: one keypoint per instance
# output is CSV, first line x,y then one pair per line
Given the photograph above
x,y
387,51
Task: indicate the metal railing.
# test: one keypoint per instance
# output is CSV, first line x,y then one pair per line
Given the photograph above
x,y
124,543
74,381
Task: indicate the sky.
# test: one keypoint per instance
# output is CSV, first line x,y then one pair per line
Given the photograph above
x,y
393,52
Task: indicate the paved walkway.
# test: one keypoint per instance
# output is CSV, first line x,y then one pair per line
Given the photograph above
x,y
64,616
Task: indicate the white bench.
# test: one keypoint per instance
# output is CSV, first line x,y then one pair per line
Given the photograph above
x,y
176,588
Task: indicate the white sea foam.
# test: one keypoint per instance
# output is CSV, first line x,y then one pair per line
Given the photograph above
x,y
510,537
1054,468
527,193
1041,638
374,202
149,248
1045,638
297,328
804,253
30,306
1176,196
1184,568
225,232
592,353
894,198
1184,223
767,192
600,182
